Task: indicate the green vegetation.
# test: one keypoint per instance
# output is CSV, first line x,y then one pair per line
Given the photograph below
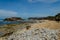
x,y
54,18
57,17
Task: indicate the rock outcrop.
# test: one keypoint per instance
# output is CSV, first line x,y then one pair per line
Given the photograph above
x,y
35,34
13,19
47,30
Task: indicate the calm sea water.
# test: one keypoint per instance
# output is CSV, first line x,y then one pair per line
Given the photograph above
x,y
5,22
9,22
13,22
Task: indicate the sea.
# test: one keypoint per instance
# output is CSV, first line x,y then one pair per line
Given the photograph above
x,y
13,22
8,22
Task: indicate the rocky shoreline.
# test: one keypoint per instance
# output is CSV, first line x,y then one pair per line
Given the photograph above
x,y
45,30
35,34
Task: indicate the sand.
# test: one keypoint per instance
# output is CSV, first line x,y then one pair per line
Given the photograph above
x,y
47,24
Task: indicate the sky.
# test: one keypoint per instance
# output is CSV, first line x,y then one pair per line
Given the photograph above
x,y
29,8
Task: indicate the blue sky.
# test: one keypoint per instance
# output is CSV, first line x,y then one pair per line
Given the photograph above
x,y
29,8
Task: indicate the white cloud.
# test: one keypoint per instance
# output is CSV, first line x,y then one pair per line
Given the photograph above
x,y
44,1
6,13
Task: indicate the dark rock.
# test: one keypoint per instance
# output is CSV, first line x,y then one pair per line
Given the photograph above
x,y
13,19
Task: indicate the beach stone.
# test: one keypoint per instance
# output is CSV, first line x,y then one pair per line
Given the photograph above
x,y
35,34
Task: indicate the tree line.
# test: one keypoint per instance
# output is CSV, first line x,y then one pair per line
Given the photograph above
x,y
55,18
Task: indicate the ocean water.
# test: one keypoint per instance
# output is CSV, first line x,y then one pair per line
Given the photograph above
x,y
14,22
9,22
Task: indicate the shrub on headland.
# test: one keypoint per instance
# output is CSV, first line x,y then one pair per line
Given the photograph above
x,y
55,18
